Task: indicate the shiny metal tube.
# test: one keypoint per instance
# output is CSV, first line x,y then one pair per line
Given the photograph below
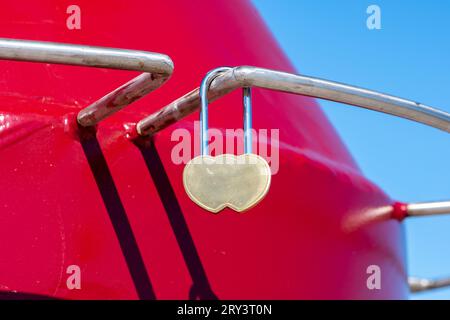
x,y
157,69
420,284
247,101
428,208
246,76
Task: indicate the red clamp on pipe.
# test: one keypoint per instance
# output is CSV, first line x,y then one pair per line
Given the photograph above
x,y
399,211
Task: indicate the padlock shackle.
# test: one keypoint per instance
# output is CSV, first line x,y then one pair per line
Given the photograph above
x,y
247,102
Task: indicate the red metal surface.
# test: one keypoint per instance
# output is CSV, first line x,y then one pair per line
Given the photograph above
x,y
119,211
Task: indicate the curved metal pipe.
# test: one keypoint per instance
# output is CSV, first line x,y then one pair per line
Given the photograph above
x,y
157,69
246,76
204,86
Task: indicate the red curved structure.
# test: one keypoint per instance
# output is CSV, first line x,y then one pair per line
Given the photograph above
x,y
118,209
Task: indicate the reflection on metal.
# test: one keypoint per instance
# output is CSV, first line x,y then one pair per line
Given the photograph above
x,y
281,81
428,208
157,69
419,284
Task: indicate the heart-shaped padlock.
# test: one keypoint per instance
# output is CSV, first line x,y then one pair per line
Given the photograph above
x,y
237,182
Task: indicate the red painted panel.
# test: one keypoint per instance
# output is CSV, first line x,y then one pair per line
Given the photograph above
x,y
120,211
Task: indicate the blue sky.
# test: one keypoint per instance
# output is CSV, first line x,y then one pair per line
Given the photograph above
x,y
409,57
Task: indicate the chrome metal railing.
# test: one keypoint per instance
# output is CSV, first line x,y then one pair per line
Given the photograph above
x,y
427,208
291,83
157,69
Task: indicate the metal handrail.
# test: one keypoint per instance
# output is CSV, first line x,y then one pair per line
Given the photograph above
x,y
246,76
157,69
